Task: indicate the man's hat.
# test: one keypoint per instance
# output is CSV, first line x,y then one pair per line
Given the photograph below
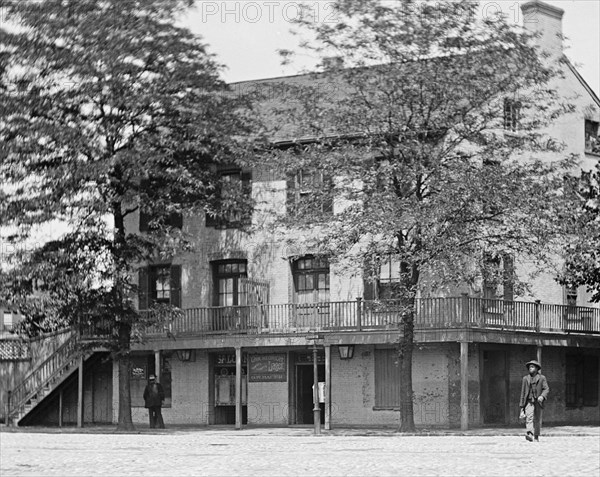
x,y
151,377
533,361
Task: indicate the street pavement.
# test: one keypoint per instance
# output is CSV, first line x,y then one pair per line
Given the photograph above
x,y
562,451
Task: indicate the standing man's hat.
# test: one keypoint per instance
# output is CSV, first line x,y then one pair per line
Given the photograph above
x,y
152,376
534,362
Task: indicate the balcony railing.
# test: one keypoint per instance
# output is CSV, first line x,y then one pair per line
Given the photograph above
x,y
432,313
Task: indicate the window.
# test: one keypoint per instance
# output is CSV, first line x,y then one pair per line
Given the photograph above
x,y
570,295
310,192
227,289
386,284
592,139
311,279
512,112
499,277
159,284
173,220
149,219
581,381
8,323
234,186
387,379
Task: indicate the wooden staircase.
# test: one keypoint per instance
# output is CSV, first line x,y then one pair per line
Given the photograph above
x,y
44,379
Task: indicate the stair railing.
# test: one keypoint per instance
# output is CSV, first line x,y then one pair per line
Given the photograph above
x,y
42,375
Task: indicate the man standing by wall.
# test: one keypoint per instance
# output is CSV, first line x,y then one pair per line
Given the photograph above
x,y
534,392
154,395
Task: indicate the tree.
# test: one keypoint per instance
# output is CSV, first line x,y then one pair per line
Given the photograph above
x,y
582,266
427,119
109,110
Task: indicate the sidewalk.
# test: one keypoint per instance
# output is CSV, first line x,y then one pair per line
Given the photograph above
x,y
592,430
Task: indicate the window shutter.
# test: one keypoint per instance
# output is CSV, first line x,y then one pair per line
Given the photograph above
x,y
590,385
292,191
176,285
143,288
369,282
509,270
144,219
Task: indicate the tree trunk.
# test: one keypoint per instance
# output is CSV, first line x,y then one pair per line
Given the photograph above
x,y
410,275
125,422
407,420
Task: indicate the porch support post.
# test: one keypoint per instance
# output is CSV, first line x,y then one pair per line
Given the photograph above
x,y
60,407
80,393
157,365
538,353
316,408
464,385
238,388
327,387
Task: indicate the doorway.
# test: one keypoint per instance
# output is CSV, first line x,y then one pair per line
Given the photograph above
x,y
494,387
304,391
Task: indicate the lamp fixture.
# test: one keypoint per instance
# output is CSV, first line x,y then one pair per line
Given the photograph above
x,y
185,354
346,351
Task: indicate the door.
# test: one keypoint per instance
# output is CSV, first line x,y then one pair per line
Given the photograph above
x,y
102,395
304,393
494,387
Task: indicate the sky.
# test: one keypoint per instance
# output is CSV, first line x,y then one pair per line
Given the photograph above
x,y
246,34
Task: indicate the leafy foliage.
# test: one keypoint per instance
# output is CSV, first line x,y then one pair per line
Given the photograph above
x,y
583,256
112,111
414,132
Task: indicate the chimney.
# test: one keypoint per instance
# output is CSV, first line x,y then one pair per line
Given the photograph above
x,y
545,20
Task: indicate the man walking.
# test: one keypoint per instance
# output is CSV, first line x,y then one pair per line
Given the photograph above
x,y
534,392
154,395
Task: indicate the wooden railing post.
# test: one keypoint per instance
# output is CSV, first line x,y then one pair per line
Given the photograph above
x,y
537,315
465,308
359,313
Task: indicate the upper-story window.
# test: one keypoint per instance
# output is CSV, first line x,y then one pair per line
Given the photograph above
x,y
386,284
499,277
227,287
311,279
234,185
592,138
570,295
310,192
512,113
159,284
148,216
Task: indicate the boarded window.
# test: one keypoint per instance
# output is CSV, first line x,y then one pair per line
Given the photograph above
x,y
581,382
387,379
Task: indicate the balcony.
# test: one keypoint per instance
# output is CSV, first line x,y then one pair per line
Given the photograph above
x,y
432,313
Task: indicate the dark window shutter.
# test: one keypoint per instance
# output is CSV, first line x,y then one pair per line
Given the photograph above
x,y
143,288
144,219
328,195
590,375
291,193
369,289
509,270
176,285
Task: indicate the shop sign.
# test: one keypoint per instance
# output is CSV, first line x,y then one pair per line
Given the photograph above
x,y
268,367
